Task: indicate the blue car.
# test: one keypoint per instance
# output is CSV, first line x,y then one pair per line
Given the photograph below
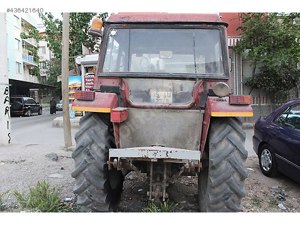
x,y
276,141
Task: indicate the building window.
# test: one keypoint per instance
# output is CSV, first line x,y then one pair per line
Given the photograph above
x,y
43,50
18,67
17,19
43,65
18,44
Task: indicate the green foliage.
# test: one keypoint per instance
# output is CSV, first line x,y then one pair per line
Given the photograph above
x,y
273,202
42,198
271,42
274,79
165,206
53,69
32,32
54,33
79,24
2,205
257,201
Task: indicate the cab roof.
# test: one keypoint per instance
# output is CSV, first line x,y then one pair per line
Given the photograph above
x,y
164,18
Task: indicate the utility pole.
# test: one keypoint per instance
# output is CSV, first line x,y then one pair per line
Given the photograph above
x,y
65,74
5,135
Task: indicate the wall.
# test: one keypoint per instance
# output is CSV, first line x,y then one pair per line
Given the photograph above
x,y
13,55
5,121
233,23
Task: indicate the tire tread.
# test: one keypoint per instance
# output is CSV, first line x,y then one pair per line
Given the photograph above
x,y
221,186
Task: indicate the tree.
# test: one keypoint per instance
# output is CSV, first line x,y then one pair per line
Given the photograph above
x,y
79,25
53,69
271,43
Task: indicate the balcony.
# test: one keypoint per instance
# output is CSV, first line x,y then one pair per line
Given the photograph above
x,y
30,42
28,60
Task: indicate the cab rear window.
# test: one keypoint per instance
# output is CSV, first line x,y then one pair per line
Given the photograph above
x,y
181,51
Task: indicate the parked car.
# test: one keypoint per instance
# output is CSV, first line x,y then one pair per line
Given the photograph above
x,y
59,106
276,141
24,106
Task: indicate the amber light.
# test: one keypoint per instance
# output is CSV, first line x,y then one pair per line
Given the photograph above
x,y
240,100
96,27
84,95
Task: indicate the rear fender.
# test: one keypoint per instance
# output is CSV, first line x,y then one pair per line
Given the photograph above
x,y
102,103
220,107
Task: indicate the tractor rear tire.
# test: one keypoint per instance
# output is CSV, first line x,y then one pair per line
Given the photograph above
x,y
97,188
221,182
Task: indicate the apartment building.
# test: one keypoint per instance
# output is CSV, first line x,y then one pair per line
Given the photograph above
x,y
44,53
21,59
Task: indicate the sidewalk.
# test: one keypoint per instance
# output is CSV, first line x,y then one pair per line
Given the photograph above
x,y
58,122
22,166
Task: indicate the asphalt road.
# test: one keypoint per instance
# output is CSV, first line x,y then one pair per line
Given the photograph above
x,y
37,129
248,142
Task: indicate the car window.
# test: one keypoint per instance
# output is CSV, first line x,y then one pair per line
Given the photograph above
x,y
290,118
30,101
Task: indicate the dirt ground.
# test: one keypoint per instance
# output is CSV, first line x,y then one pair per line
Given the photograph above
x,y
21,167
263,194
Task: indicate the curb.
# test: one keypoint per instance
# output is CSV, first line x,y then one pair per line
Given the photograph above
x,y
58,122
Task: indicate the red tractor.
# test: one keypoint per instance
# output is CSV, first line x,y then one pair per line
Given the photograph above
x,y
161,105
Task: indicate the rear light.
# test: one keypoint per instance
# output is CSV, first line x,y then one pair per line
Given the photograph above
x,y
118,115
240,100
84,95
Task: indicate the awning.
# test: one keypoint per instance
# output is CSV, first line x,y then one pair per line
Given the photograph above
x,y
30,85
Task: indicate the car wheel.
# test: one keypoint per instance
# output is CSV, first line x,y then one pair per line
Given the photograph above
x,y
40,111
267,162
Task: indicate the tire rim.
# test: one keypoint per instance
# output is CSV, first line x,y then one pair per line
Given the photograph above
x,y
266,160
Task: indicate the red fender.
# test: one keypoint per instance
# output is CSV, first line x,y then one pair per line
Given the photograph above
x,y
220,107
102,102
